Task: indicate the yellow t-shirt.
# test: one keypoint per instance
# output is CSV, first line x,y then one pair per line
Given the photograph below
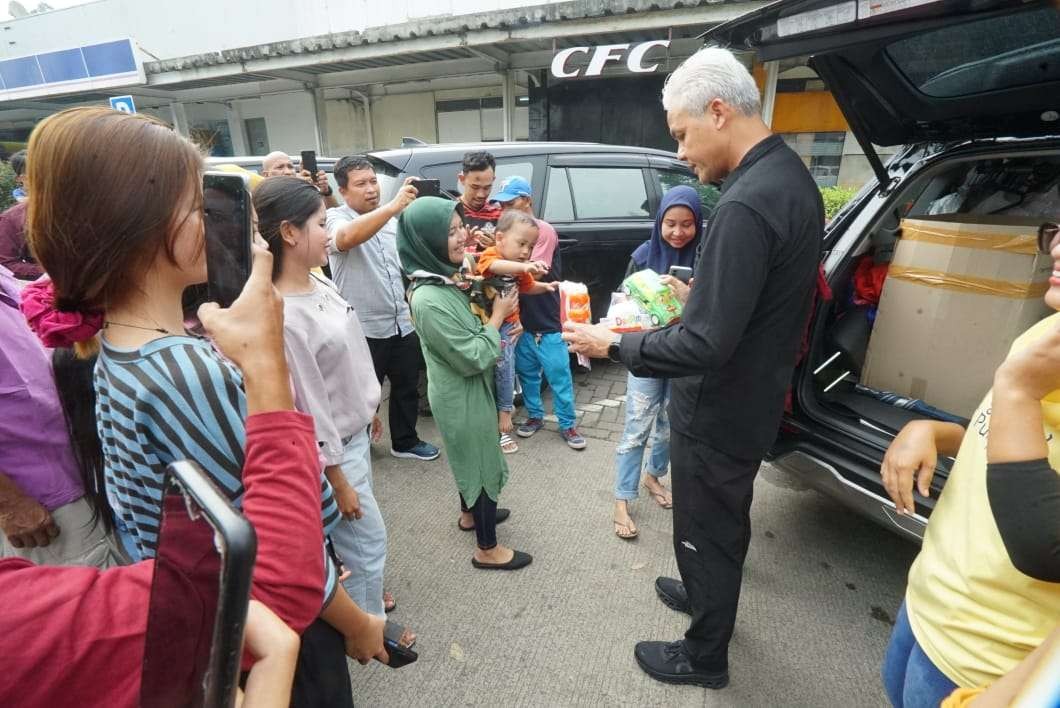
x,y
972,612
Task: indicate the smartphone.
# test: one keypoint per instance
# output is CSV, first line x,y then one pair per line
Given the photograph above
x,y
427,187
203,566
309,162
229,233
681,273
399,655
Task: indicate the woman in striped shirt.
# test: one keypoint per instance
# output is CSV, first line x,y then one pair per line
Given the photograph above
x,y
116,220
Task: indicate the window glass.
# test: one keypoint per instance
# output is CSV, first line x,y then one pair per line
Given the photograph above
x,y
708,194
513,169
994,53
822,153
609,193
558,204
447,174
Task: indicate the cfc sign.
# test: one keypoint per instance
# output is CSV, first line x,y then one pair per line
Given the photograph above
x,y
606,54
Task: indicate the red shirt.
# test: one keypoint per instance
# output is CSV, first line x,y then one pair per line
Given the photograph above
x,y
74,636
525,281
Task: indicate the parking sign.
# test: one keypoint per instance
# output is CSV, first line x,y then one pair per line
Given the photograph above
x,y
123,103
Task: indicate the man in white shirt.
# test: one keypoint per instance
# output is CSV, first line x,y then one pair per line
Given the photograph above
x,y
366,269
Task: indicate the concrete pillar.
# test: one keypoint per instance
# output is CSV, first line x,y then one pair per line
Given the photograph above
x,y
769,94
236,127
179,117
320,114
366,103
508,103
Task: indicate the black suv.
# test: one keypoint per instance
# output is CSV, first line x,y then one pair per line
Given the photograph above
x,y
971,89
602,199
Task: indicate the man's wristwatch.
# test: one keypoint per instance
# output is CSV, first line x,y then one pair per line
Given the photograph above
x,y
613,349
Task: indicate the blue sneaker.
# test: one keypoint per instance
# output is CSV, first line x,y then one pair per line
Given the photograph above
x,y
574,440
420,451
529,427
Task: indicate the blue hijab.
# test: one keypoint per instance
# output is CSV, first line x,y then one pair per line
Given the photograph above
x,y
659,255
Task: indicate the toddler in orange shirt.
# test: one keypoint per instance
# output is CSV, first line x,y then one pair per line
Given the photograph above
x,y
510,256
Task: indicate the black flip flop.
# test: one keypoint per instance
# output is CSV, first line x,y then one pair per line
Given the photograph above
x,y
502,516
519,560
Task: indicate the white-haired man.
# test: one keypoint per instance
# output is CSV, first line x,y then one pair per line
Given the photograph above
x,y
279,164
733,353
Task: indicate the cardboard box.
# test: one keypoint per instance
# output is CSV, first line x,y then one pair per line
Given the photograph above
x,y
959,291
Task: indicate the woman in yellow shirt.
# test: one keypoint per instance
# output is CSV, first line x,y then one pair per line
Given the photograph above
x,y
985,589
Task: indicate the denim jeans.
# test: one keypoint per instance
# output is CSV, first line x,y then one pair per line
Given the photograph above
x,y
909,677
361,543
504,376
646,417
546,353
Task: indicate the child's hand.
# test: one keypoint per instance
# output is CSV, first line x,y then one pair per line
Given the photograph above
x,y
552,287
536,268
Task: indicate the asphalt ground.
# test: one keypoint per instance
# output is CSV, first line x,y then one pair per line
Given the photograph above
x,y
821,586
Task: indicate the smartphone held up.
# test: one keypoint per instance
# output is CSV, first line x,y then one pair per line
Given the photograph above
x,y
309,162
229,234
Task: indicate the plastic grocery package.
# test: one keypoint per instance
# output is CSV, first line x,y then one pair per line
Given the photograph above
x,y
574,303
625,315
646,288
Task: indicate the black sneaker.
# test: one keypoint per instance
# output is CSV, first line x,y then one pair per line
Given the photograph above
x,y
670,663
672,593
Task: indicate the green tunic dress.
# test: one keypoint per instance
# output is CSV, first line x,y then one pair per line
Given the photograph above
x,y
461,354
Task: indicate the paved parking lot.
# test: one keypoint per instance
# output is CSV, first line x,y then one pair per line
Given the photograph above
x,y
821,586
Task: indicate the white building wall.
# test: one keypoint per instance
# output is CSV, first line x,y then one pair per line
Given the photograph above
x,y
201,27
289,120
347,128
395,117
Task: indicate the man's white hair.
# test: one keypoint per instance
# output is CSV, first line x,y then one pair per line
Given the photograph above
x,y
711,73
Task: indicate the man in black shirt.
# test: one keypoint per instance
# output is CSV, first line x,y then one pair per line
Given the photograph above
x,y
732,355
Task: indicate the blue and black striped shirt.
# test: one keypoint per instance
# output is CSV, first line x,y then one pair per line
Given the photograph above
x,y
172,399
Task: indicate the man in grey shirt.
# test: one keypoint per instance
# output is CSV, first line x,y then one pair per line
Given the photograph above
x,y
365,267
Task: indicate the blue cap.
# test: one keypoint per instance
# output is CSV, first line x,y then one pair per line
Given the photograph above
x,y
511,189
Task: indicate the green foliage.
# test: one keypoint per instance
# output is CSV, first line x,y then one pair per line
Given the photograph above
x,y
7,185
835,198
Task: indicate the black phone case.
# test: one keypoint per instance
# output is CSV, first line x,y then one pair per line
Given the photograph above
x,y
309,162
427,187
399,655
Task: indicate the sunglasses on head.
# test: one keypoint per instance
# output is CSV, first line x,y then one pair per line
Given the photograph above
x,y
1047,237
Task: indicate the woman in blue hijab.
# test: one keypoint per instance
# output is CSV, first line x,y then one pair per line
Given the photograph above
x,y
674,242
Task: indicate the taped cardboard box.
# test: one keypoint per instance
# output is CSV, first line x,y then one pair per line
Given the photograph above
x,y
959,291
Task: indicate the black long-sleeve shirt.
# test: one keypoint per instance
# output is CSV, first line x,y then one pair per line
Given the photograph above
x,y
1025,500
733,353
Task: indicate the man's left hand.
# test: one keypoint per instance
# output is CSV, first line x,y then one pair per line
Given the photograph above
x,y
590,340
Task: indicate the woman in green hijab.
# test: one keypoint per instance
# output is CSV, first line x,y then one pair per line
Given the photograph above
x,y
461,353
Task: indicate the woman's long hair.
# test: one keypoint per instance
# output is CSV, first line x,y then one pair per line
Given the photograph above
x,y
106,194
77,394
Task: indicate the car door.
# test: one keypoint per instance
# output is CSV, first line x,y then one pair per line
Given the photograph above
x,y
601,206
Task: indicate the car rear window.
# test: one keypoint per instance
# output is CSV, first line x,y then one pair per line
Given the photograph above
x,y
609,192
981,56
708,194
